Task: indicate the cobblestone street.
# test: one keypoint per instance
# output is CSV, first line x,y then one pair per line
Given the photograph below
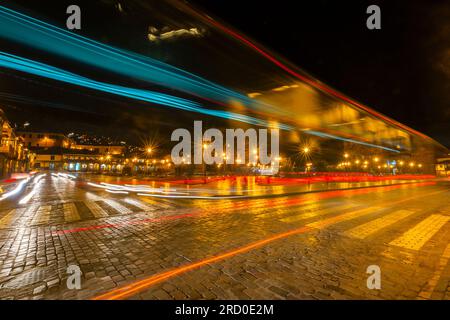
x,y
310,246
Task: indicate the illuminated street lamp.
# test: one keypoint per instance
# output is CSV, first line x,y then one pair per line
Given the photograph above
x,y
205,145
149,150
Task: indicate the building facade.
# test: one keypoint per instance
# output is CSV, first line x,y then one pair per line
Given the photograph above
x,y
14,155
443,167
45,139
101,149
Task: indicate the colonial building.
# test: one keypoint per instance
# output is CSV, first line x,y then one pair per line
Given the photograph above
x,y
14,155
102,149
443,167
45,139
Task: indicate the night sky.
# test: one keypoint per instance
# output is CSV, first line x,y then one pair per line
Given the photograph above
x,y
402,70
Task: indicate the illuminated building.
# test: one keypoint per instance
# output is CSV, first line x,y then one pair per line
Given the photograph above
x,y
45,139
14,156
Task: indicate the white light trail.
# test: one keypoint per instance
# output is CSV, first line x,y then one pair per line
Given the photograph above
x,y
190,197
16,190
37,180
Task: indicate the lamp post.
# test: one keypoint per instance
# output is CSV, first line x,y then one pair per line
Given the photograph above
x,y
148,152
205,145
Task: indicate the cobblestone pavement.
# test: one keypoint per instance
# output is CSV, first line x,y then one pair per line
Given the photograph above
x,y
311,246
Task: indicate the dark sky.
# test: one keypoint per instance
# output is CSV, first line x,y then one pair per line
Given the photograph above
x,y
402,70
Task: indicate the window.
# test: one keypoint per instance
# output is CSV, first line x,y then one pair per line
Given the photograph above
x,y
52,157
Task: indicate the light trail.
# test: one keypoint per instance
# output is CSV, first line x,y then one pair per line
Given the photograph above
x,y
43,70
19,27
115,191
37,180
313,82
271,203
64,175
332,136
130,188
190,197
155,192
36,33
16,190
139,286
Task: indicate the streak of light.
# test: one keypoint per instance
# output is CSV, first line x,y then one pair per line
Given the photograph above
x,y
27,198
269,203
131,188
313,82
43,70
332,136
33,191
138,286
64,175
16,190
116,191
33,32
190,197
22,28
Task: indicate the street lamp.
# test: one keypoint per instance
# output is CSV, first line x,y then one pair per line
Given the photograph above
x,y
148,151
205,145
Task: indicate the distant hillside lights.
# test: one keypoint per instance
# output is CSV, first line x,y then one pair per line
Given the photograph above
x,y
209,147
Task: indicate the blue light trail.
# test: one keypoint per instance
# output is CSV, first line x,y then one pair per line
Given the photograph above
x,y
32,32
29,66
